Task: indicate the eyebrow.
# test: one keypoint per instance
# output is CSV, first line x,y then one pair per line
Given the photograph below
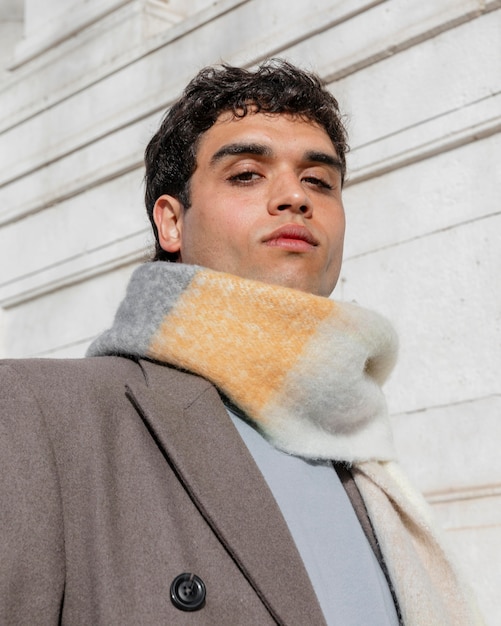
x,y
324,158
235,149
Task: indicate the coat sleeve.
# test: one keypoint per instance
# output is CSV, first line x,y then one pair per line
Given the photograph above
x,y
31,520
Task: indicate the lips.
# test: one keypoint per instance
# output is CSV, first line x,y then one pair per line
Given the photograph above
x,y
291,236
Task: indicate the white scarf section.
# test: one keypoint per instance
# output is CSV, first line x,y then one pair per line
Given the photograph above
x,y
429,587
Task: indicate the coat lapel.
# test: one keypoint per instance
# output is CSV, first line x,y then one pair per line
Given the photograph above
x,y
190,424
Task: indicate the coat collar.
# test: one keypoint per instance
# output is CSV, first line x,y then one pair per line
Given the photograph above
x,y
186,417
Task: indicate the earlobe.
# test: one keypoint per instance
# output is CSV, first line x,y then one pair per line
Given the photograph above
x,y
167,215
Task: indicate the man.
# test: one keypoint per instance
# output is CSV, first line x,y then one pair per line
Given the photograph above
x,y
224,457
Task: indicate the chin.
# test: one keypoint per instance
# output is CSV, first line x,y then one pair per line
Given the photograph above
x,y
298,276
293,282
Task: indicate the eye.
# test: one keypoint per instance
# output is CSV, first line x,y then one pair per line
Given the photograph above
x,y
243,178
317,182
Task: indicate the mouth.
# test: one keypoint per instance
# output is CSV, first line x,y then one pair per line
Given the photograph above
x,y
291,237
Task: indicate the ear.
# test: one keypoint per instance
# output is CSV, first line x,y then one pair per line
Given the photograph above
x,y
168,218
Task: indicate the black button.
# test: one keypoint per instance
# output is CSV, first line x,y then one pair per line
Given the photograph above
x,y
187,592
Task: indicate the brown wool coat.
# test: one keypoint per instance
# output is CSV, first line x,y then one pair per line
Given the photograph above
x,y
115,477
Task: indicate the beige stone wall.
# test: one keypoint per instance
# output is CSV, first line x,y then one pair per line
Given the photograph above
x,y
83,85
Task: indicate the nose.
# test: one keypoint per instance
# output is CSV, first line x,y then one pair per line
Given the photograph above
x,y
288,194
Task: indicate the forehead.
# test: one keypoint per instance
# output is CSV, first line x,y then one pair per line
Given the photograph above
x,y
278,131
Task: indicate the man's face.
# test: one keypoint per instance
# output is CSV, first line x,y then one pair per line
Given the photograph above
x,y
265,204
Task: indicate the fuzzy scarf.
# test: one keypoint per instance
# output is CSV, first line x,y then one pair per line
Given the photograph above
x,y
307,373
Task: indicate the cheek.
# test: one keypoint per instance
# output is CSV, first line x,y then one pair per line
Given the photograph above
x,y
338,228
235,225
336,244
212,232
340,236
234,222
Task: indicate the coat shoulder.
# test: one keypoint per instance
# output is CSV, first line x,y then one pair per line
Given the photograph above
x,y
85,376
92,385
94,370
